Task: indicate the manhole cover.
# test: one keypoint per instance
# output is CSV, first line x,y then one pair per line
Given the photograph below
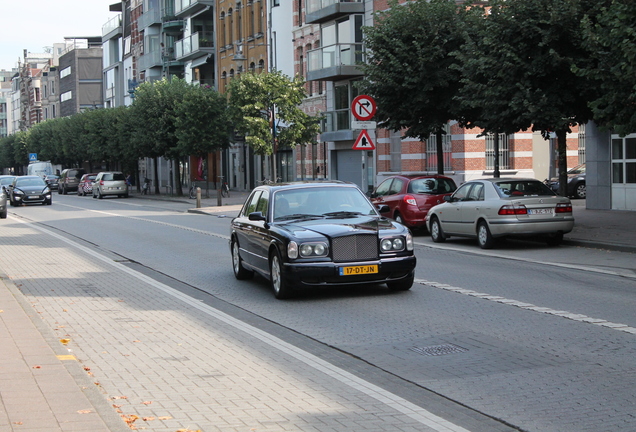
x,y
437,350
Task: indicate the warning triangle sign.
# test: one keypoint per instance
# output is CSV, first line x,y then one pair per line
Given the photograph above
x,y
364,141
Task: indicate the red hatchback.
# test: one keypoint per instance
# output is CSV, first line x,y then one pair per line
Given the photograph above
x,y
411,196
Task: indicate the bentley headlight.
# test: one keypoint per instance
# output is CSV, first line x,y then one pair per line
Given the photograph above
x,y
392,244
313,250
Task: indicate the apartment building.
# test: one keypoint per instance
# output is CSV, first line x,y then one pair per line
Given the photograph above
x,y
80,75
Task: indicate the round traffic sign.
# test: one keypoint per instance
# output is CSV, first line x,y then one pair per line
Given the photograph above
x,y
363,107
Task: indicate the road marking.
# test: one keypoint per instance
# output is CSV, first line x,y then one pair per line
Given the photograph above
x,y
494,254
401,405
528,306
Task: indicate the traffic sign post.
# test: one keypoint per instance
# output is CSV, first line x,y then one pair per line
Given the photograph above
x,y
33,157
363,107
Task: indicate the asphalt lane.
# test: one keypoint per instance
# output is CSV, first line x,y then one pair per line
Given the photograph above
x,y
510,368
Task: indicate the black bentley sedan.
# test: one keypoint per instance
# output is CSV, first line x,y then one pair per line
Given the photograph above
x,y
29,190
317,234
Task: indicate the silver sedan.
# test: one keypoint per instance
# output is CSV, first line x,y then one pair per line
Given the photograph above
x,y
492,208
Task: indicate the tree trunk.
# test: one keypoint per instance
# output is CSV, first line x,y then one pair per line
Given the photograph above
x,y
440,152
177,175
156,169
563,161
496,173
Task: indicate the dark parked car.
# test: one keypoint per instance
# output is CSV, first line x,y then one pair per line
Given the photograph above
x,y
52,180
69,180
411,196
320,234
29,190
576,182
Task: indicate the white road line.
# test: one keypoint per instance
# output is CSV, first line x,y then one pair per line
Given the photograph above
x,y
413,411
529,306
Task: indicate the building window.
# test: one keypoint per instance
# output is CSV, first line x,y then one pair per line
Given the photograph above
x,y
431,150
504,158
65,72
66,96
624,160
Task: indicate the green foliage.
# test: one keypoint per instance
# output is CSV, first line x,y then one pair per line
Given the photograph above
x,y
409,70
173,119
252,99
610,37
517,70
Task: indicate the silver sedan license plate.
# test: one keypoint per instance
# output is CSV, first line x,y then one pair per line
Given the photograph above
x,y
541,211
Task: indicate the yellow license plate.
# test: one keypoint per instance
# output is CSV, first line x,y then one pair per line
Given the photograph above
x,y
358,270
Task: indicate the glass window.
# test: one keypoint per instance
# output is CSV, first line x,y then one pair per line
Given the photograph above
x,y
384,188
630,148
504,159
630,172
461,193
617,172
617,148
250,206
263,202
396,186
476,193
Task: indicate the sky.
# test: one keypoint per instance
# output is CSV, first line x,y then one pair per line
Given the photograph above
x,y
36,24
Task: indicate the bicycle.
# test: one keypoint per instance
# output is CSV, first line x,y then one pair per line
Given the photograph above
x,y
145,190
267,181
225,189
193,190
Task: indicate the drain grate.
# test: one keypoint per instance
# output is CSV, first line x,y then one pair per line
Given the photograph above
x,y
438,350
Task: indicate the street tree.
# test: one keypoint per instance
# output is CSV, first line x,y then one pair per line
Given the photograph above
x,y
265,107
609,35
409,71
202,123
517,71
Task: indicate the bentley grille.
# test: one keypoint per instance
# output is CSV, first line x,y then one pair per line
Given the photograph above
x,y
357,247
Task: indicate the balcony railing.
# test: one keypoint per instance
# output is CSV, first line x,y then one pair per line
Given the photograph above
x,y
324,10
150,59
148,18
335,61
113,24
181,5
191,45
337,120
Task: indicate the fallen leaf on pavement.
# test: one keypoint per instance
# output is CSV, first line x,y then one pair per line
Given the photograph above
x,y
147,402
147,418
85,411
65,341
165,418
37,367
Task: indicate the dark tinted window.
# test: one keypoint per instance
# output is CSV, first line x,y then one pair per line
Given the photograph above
x,y
432,186
119,176
522,188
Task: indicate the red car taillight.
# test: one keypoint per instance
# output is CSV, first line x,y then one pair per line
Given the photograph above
x,y
410,200
563,208
101,182
510,210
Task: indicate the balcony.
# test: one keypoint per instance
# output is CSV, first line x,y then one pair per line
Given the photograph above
x,y
335,62
150,59
336,126
112,28
195,45
148,18
183,8
319,11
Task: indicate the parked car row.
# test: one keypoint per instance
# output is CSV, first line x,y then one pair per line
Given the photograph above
x,y
98,185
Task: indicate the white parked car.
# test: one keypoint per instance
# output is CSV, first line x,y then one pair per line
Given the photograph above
x,y
110,183
492,208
